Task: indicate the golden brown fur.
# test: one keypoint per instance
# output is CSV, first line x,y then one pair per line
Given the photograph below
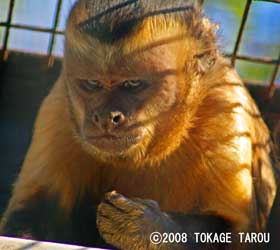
x,y
211,157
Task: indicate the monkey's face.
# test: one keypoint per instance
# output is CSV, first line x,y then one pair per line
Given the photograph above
x,y
120,108
128,96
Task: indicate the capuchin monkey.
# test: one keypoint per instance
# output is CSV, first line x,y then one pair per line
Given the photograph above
x,y
148,129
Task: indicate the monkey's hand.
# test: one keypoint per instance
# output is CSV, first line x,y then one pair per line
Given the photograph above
x,y
127,223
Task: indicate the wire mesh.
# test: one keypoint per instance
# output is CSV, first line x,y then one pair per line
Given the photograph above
x,y
54,31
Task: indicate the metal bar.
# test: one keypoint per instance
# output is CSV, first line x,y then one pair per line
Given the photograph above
x,y
272,1
272,85
255,82
52,41
241,31
31,28
264,60
4,54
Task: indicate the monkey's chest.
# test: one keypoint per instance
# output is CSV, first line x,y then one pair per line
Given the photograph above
x,y
177,192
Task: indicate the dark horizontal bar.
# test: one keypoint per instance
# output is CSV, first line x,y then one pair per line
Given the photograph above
x,y
256,82
272,1
264,60
32,28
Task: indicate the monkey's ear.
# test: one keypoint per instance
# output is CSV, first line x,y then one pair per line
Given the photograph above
x,y
197,3
200,2
205,61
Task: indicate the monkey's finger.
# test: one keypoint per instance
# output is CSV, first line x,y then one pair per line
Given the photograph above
x,y
152,204
123,203
104,226
109,211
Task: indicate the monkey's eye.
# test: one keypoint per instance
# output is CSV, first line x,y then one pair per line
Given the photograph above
x,y
134,85
91,85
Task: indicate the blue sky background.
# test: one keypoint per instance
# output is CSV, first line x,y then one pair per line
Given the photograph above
x,y
261,37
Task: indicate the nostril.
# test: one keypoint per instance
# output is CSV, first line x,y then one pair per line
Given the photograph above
x,y
116,119
96,118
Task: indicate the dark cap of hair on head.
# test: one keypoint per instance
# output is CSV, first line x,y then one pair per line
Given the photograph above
x,y
112,20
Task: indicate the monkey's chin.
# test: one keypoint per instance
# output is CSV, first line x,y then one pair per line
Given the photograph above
x,y
114,145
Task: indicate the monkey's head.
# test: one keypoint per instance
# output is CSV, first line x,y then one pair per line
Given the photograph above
x,y
129,69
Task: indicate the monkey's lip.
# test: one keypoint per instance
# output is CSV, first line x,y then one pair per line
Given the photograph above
x,y
112,137
113,143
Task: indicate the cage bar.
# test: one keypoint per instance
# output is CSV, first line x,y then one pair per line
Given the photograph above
x,y
4,51
271,1
241,31
31,28
262,60
52,41
272,85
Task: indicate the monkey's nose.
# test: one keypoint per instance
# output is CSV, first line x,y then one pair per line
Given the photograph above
x,y
116,118
109,121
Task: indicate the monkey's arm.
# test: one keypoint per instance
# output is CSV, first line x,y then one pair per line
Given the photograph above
x,y
44,204
38,217
42,218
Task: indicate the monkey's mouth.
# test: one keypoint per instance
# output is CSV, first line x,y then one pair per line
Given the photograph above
x,y
111,143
